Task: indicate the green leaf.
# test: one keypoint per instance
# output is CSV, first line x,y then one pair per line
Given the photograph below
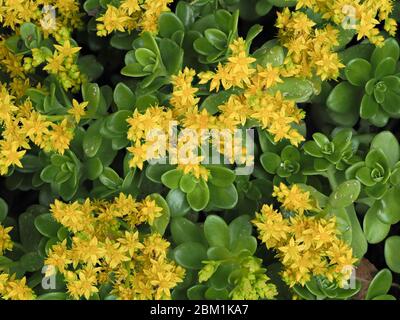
x,y
160,223
358,71
197,292
184,230
172,178
199,197
168,24
145,56
223,197
270,162
392,104
283,3
48,173
386,67
190,255
216,231
390,49
380,284
117,123
155,171
384,297
134,70
185,13
91,93
172,56
187,183
53,296
391,252
389,145
364,175
345,194
221,176
390,206
343,98
177,203
369,107
3,209
215,294
31,261
28,233
110,178
46,225
93,168
358,243
213,101
311,148
263,7
253,32
216,38
89,66
92,140
299,90
124,97
375,230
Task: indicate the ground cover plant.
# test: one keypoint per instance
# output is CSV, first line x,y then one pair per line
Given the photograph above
x,y
204,149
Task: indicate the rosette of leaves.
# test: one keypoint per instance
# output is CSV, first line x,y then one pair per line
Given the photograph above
x,y
338,152
203,32
63,174
319,288
223,247
379,175
187,192
253,191
284,166
373,84
152,60
216,31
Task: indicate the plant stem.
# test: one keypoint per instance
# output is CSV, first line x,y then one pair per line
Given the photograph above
x,y
331,177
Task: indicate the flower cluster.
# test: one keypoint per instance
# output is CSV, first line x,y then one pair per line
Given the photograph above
x,y
132,15
22,125
105,246
273,112
362,16
15,289
306,245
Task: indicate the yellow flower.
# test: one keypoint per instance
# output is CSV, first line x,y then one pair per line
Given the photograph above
x,y
148,210
112,20
84,286
58,257
293,198
60,136
78,110
66,50
139,152
131,6
55,64
272,227
9,154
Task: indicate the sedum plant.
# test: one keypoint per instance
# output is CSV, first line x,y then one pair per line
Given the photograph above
x,y
199,149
